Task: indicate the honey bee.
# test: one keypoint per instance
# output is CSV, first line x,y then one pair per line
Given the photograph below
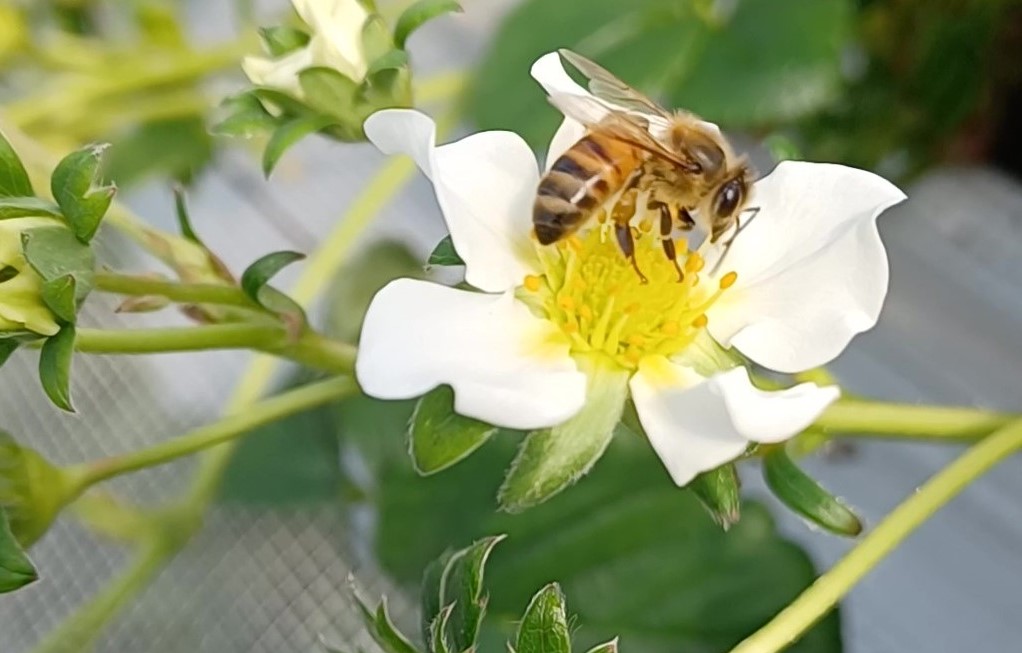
x,y
690,174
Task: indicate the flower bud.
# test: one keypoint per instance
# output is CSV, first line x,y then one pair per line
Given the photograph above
x,y
32,490
22,309
331,74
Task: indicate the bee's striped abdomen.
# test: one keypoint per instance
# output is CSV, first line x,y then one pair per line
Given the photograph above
x,y
578,182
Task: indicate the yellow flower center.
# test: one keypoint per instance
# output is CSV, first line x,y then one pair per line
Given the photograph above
x,y
590,290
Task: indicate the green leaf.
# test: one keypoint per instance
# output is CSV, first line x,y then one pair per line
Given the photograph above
x,y
431,606
7,347
770,60
417,15
14,180
290,462
55,367
178,148
255,276
439,437
59,296
544,627
718,490
805,496
55,252
25,207
382,629
82,198
16,570
635,555
287,134
445,254
462,586
552,459
282,39
244,117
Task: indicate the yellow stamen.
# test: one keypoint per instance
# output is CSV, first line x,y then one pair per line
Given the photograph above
x,y
694,263
532,282
728,280
700,321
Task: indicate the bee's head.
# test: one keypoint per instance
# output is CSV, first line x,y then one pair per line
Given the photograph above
x,y
730,197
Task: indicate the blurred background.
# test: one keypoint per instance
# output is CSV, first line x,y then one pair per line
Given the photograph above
x,y
925,92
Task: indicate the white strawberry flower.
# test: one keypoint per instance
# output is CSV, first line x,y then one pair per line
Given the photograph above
x,y
563,333
336,41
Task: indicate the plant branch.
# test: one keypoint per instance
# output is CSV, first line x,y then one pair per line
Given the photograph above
x,y
185,293
824,594
876,419
308,348
224,430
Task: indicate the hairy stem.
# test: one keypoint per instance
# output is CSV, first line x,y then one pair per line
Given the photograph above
x,y
308,348
824,594
225,430
185,293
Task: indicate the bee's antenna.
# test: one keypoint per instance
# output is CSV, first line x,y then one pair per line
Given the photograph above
x,y
727,246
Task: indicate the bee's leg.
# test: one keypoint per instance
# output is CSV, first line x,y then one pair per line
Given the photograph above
x,y
666,227
740,226
685,220
627,244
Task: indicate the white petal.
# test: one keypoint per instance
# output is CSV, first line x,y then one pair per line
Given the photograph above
x,y
812,270
696,424
485,185
337,33
569,133
280,74
549,72
506,366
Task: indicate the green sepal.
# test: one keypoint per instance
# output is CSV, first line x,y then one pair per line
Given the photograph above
x,y
544,626
7,347
289,133
283,39
606,647
55,367
376,37
438,437
805,496
55,252
550,460
244,117
444,254
16,570
83,199
381,627
392,60
328,92
184,220
462,586
254,283
418,14
26,207
256,275
718,491
432,581
59,296
14,181
437,641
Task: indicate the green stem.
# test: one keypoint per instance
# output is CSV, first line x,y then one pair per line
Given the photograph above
x,y
79,632
824,594
224,430
186,293
309,348
878,419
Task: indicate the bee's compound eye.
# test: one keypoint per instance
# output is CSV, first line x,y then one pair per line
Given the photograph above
x,y
728,198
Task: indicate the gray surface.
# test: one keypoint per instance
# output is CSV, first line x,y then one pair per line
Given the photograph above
x,y
256,581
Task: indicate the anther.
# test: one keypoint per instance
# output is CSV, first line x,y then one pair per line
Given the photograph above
x,y
636,340
646,225
700,321
567,303
671,328
728,280
694,263
532,282
585,312
632,308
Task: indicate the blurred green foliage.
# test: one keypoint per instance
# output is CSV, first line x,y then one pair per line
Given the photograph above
x,y
893,85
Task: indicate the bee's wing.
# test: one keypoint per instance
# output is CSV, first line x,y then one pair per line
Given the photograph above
x,y
606,86
626,127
